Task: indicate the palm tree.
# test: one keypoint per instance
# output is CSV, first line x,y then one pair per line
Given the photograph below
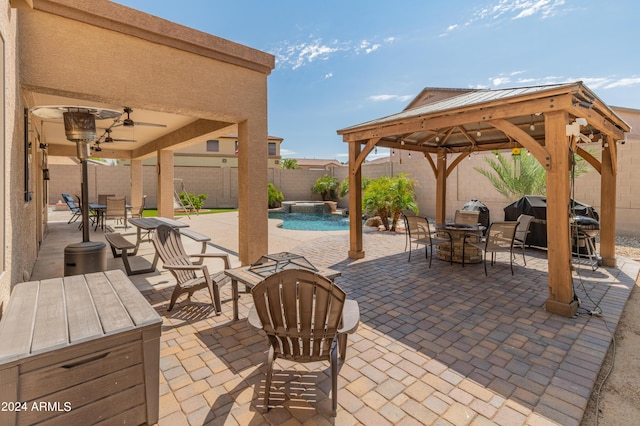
x,y
386,197
326,186
289,163
522,174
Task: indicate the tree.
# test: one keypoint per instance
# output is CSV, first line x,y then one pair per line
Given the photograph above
x,y
344,186
522,174
289,163
386,197
326,186
275,196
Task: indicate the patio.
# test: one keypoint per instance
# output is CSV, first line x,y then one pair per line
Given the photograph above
x,y
445,344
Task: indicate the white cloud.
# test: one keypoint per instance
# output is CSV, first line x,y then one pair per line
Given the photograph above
x,y
518,9
284,151
328,75
384,98
499,81
296,55
452,27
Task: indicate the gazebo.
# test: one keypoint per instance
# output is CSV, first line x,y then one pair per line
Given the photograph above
x,y
550,121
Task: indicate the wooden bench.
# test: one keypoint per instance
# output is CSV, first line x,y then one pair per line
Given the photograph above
x,y
196,236
120,247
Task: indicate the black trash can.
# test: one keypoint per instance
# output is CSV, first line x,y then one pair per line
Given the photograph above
x,y
484,218
85,257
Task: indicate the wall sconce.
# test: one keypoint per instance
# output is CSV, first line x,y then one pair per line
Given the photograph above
x,y
45,174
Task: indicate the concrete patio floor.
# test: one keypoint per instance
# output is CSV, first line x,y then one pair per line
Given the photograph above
x,y
440,345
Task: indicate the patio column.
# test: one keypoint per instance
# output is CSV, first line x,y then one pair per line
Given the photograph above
x,y
441,186
136,183
355,203
165,183
608,187
253,203
560,299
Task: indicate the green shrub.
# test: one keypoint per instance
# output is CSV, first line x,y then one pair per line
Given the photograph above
x,y
326,186
192,201
275,196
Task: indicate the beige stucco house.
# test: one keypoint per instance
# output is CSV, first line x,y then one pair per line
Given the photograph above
x,y
170,87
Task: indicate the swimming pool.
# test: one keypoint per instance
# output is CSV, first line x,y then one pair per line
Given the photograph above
x,y
312,222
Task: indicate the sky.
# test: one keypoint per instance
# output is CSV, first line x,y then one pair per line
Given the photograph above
x,y
343,62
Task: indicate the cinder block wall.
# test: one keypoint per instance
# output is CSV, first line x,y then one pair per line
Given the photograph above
x,y
464,184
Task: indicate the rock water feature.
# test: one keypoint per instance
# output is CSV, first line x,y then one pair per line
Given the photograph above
x,y
309,207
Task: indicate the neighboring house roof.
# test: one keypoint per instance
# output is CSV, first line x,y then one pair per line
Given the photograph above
x,y
313,162
270,137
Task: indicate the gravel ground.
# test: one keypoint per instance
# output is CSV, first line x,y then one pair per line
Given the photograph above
x,y
627,246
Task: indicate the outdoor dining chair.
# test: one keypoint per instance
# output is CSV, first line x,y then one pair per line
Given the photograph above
x,y
76,211
466,217
136,211
419,233
522,231
499,238
116,209
189,275
306,318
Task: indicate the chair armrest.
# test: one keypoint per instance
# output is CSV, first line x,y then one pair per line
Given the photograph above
x,y
172,266
253,320
223,256
350,317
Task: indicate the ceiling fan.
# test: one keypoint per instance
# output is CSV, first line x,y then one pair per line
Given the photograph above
x,y
128,122
106,137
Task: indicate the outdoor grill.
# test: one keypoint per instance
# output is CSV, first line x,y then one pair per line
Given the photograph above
x,y
586,226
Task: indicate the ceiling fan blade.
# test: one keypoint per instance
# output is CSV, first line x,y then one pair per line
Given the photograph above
x,y
140,123
123,140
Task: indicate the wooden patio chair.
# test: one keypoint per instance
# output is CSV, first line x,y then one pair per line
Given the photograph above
x,y
522,231
419,233
136,211
306,318
499,238
189,276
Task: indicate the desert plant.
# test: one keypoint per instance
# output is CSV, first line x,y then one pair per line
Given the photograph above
x,y
289,163
522,174
386,197
192,201
275,196
344,186
326,186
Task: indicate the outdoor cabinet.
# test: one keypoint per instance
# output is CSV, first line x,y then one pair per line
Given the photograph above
x,y
79,350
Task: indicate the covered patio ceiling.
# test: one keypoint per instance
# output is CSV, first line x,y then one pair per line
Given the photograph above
x,y
550,121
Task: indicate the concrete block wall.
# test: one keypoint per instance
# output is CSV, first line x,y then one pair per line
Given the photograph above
x,y
464,184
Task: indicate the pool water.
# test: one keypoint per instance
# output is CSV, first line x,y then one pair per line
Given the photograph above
x,y
311,222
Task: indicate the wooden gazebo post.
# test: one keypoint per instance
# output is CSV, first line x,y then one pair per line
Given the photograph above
x,y
560,300
441,186
355,202
608,204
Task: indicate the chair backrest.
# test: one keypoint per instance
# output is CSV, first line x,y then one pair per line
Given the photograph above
x,y
523,229
301,312
70,203
102,198
466,217
166,240
116,207
500,235
417,227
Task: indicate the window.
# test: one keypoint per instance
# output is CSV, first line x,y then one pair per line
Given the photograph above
x,y
272,148
213,146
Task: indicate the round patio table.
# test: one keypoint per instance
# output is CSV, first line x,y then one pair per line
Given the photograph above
x,y
458,232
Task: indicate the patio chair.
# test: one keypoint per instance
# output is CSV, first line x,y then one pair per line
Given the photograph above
x,y
466,217
76,211
189,276
136,211
419,232
522,231
102,198
499,238
116,210
306,318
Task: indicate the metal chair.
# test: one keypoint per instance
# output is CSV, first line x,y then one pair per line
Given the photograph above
x,y
499,238
76,211
522,231
136,212
116,210
466,217
419,232
189,276
306,318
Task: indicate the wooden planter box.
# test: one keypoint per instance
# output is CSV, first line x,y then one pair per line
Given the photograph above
x,y
79,350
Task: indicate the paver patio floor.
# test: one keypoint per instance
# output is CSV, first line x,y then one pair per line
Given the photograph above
x,y
439,345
